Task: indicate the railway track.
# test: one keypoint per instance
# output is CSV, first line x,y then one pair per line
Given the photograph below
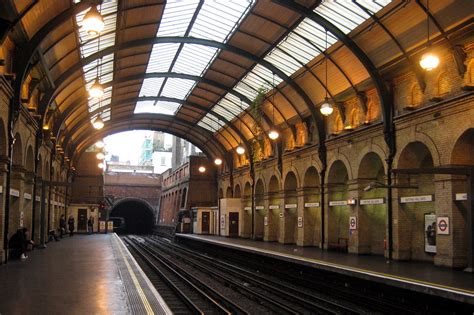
x,y
276,297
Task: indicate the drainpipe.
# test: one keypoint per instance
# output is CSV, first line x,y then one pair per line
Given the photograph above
x,y
322,204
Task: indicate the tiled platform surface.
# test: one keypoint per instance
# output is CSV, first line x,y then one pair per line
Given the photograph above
x,y
85,274
418,276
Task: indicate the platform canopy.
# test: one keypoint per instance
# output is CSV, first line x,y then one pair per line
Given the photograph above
x,y
193,68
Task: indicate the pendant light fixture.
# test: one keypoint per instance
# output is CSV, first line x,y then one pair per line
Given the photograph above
x,y
326,108
97,90
93,23
428,61
100,156
98,123
240,148
218,161
273,133
100,144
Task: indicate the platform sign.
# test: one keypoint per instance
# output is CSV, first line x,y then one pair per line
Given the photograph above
x,y
461,196
300,222
415,199
430,233
37,198
222,221
14,192
248,208
335,203
352,223
375,201
259,207
265,220
311,204
271,207
1,189
27,196
291,206
442,224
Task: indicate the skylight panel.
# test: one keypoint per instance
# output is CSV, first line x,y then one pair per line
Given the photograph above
x,y
161,107
194,59
161,57
176,17
217,19
230,106
283,61
177,88
211,123
151,86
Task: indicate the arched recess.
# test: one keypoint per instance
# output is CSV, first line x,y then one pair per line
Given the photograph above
x,y
137,213
18,151
462,154
414,234
372,217
260,211
237,193
228,192
338,214
273,220
247,213
312,206
290,232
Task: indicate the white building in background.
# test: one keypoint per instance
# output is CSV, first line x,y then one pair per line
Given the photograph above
x,y
162,161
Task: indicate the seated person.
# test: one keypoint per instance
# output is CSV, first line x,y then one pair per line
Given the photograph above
x,y
52,235
18,244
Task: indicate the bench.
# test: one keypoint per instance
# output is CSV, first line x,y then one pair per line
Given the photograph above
x,y
341,245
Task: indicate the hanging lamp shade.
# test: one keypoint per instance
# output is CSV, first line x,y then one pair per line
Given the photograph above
x,y
100,156
326,108
93,23
240,149
100,144
96,90
273,134
98,123
218,161
429,61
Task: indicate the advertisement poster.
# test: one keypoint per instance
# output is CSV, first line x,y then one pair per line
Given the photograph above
x,y
430,233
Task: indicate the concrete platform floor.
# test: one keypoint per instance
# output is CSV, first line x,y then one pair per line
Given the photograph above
x,y
76,275
419,276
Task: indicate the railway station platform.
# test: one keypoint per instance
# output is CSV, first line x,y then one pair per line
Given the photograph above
x,y
417,276
84,274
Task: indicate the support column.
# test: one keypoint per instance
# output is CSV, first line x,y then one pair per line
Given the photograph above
x,y
28,200
3,171
359,237
17,205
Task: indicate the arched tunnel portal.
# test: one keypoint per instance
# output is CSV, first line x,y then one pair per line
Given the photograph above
x,y
137,215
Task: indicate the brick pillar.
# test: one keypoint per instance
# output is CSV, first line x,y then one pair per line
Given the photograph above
x,y
259,217
400,228
267,233
246,218
28,203
273,226
451,250
16,203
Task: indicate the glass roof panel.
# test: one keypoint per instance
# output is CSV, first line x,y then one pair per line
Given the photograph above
x,y
194,59
151,86
160,107
211,123
177,88
161,57
176,17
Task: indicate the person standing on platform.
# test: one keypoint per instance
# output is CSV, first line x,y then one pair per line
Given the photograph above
x,y
70,222
62,226
90,225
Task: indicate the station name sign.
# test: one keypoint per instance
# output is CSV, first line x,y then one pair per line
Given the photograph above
x,y
259,207
375,201
274,207
247,208
14,192
413,199
27,196
291,206
311,204
338,203
461,196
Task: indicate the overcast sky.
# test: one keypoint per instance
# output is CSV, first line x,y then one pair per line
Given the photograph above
x,y
127,145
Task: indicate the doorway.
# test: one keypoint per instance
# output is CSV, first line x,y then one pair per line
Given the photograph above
x,y
233,224
82,219
205,222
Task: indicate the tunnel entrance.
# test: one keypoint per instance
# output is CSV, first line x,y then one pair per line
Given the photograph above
x,y
137,215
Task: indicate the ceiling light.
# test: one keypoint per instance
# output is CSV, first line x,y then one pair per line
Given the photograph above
x,y
273,134
101,165
240,149
96,90
98,123
100,144
100,156
93,23
429,61
202,169
45,127
218,161
326,109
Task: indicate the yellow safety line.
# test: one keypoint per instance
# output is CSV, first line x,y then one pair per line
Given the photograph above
x,y
147,305
322,262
